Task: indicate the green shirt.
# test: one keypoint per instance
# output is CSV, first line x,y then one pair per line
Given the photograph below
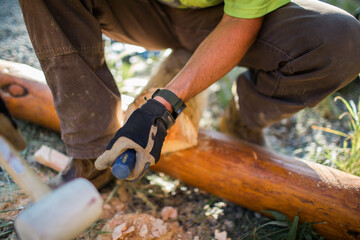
x,y
234,8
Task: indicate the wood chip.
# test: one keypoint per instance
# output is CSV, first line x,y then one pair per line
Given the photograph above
x,y
51,158
220,235
118,231
168,213
143,230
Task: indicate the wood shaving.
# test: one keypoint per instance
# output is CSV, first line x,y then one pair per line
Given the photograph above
x,y
143,230
118,231
221,235
141,227
168,213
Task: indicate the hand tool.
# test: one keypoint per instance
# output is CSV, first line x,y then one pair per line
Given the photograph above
x,y
61,214
124,164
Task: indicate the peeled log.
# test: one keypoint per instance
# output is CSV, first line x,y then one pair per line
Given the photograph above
x,y
25,94
258,179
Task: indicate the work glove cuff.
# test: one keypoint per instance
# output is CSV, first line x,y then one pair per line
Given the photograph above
x,y
159,111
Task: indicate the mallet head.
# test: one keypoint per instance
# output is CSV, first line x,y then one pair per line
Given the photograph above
x,y
62,214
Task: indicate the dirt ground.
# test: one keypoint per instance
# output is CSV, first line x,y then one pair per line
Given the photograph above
x,y
160,207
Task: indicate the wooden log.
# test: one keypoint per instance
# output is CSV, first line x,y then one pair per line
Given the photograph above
x,y
259,179
25,94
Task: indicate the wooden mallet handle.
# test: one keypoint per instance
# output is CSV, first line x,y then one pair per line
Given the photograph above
x,y
20,172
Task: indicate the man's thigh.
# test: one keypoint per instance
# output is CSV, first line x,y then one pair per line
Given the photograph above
x,y
153,25
307,47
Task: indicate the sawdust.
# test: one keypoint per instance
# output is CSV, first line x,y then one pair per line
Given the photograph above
x,y
140,227
10,209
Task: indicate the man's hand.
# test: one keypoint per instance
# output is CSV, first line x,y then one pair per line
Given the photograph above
x,y
145,132
8,128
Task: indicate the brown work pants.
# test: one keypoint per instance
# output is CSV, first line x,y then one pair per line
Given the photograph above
x,y
305,51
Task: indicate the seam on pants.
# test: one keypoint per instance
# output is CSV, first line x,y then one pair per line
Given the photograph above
x,y
278,78
276,72
276,48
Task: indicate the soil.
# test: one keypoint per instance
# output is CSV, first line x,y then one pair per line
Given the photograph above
x,y
198,214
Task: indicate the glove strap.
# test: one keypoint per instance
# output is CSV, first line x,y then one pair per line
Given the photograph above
x,y
176,103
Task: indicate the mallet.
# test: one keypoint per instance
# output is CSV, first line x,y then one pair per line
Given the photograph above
x,y
62,214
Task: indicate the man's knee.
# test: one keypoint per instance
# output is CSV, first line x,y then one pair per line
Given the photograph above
x,y
342,47
330,62
343,36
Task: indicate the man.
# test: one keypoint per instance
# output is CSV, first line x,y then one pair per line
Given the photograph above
x,y
297,53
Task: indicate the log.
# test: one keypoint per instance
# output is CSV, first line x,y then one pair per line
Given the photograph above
x,y
259,179
25,94
256,178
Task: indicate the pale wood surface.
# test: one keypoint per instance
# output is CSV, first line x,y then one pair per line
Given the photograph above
x,y
51,158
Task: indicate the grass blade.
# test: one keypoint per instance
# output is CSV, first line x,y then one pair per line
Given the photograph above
x,y
293,229
278,216
329,130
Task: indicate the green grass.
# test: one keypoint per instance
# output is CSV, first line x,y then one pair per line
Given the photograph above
x,y
286,229
348,5
347,158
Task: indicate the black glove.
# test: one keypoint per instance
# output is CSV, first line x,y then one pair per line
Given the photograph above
x,y
145,132
9,129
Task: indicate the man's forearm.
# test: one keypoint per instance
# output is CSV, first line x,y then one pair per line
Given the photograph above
x,y
221,51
